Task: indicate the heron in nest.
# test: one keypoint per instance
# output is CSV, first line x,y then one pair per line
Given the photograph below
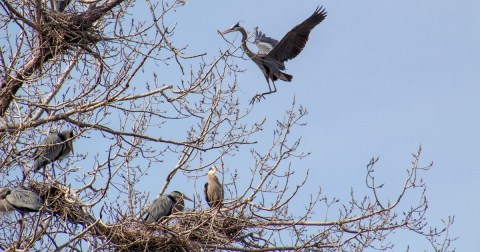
x,y
213,189
19,199
164,205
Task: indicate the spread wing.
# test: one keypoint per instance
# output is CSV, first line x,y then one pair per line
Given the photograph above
x,y
294,41
265,44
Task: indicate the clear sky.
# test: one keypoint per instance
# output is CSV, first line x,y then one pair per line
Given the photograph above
x,y
378,78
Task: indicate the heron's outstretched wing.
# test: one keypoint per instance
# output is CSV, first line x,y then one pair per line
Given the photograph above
x,y
265,44
294,41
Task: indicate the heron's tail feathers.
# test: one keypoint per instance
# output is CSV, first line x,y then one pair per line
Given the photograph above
x,y
285,77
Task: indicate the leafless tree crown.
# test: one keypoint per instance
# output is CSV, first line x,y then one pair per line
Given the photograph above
x,y
147,106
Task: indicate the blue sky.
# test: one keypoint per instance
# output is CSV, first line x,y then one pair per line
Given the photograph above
x,y
378,78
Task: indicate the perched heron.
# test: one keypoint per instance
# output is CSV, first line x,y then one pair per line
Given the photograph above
x,y
272,63
164,205
58,145
19,199
213,189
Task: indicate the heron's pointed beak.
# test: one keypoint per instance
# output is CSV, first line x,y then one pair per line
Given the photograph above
x,y
218,169
227,31
187,198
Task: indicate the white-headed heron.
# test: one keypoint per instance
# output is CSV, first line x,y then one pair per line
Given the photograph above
x,y
213,189
19,199
272,63
56,147
164,205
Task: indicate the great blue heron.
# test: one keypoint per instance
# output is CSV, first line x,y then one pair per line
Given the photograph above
x,y
213,189
272,63
57,146
165,205
19,199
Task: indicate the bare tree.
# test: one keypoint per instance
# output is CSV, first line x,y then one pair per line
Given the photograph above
x,y
85,69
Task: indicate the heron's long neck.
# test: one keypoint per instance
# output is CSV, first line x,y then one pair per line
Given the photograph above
x,y
213,179
244,43
172,199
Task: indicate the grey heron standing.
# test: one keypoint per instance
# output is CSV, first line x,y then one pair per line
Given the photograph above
x,y
272,63
213,189
57,146
19,199
164,205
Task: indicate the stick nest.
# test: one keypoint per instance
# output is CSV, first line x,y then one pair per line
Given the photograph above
x,y
183,231
62,31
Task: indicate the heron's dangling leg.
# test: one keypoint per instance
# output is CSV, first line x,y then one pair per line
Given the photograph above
x,y
268,83
258,97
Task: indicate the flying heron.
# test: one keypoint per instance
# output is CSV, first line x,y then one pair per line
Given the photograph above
x,y
164,205
213,189
19,199
272,63
57,146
